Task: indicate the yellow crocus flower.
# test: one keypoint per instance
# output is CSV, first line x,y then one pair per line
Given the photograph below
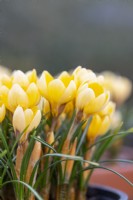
x,y
99,125
25,119
17,96
91,97
57,91
101,121
82,75
20,78
43,82
2,112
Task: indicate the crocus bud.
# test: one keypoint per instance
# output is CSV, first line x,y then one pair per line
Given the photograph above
x,y
25,120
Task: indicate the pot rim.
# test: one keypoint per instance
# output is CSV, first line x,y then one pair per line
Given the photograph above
x,y
108,188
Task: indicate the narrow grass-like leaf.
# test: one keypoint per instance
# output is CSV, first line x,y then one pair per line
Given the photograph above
x,y
27,185
108,169
3,153
83,136
116,160
43,142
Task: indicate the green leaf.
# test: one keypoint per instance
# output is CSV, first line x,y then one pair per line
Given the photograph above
x,y
27,185
83,135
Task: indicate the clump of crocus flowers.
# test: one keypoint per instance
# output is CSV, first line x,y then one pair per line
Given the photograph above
x,y
62,118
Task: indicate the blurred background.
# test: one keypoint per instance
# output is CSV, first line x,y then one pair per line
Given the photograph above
x,y
58,35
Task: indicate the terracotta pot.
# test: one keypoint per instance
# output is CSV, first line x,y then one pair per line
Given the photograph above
x,y
105,193
103,177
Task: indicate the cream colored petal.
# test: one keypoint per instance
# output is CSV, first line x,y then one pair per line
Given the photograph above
x,y
97,104
84,97
42,86
28,113
35,122
69,93
20,78
56,90
109,109
19,120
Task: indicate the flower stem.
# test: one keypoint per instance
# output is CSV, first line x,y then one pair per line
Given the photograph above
x,y
62,192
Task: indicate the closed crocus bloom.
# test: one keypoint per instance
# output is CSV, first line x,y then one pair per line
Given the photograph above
x,y
98,126
43,82
33,95
57,91
91,98
17,96
2,112
20,78
32,76
82,75
25,120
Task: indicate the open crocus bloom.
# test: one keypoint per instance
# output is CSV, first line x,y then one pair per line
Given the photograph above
x,y
25,120
91,97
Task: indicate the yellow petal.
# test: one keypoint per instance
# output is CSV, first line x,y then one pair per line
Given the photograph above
x,y
4,95
105,125
33,95
94,127
69,93
65,77
44,106
55,90
2,113
19,120
6,80
32,76
17,96
97,88
28,113
43,82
